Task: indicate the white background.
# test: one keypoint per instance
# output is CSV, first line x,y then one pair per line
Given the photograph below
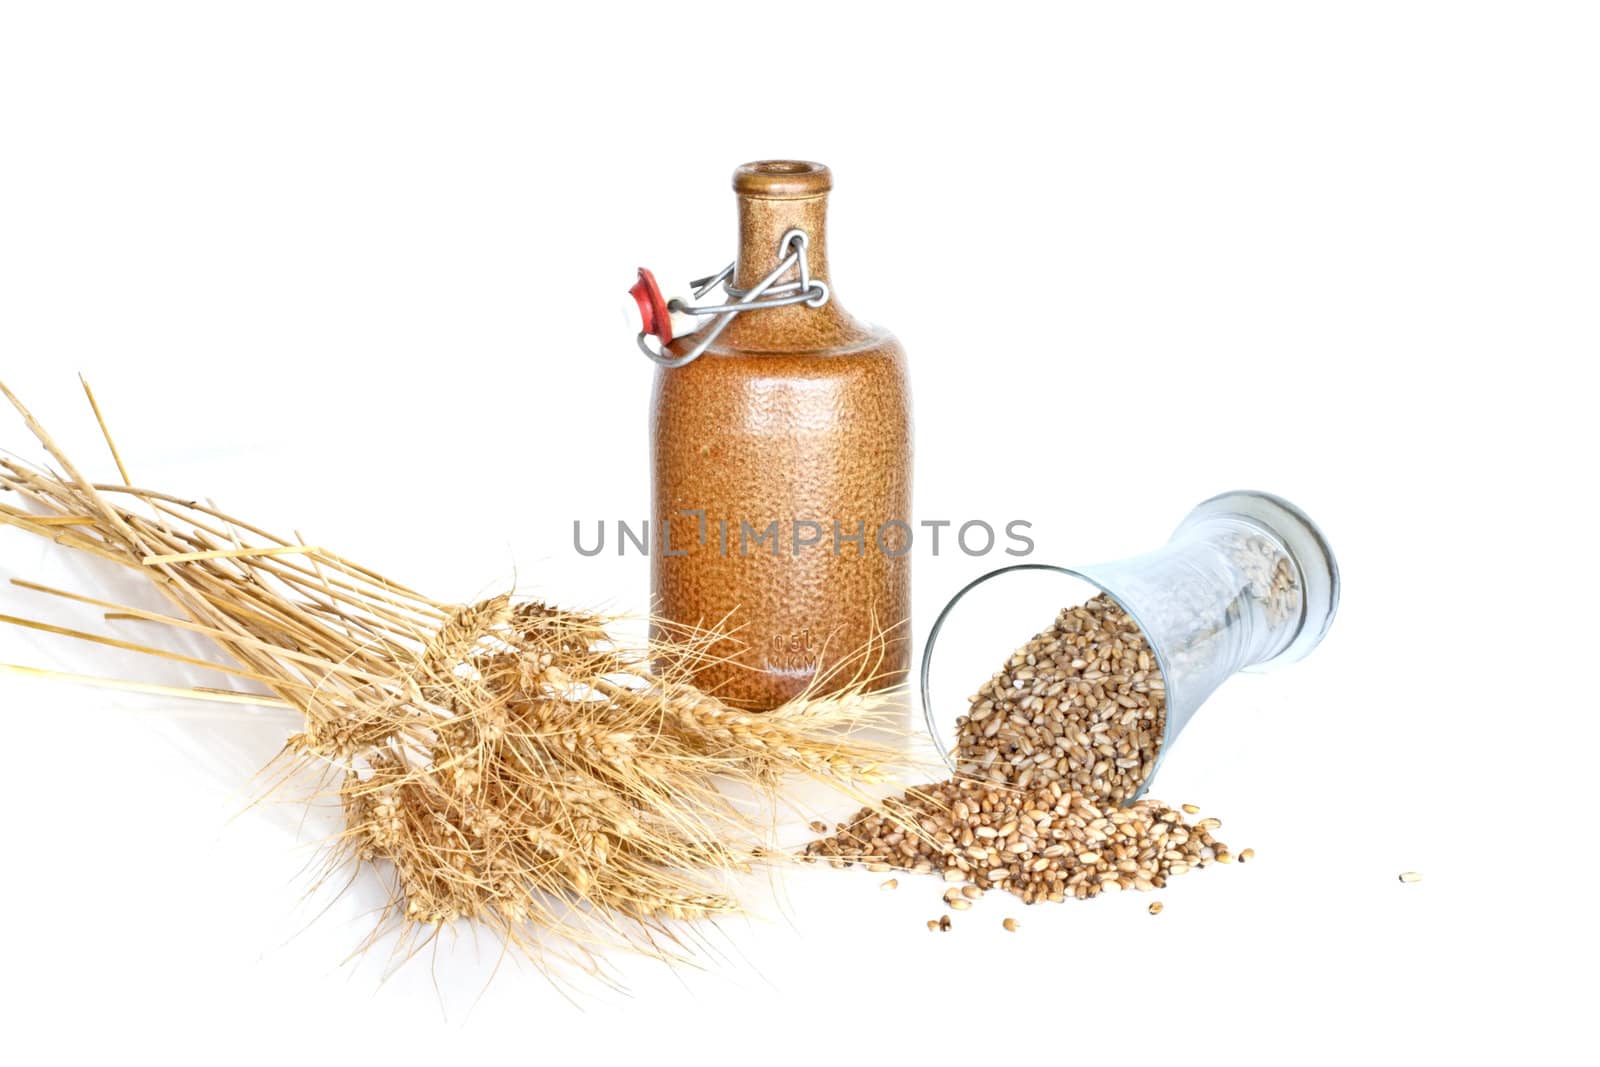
x,y
354,270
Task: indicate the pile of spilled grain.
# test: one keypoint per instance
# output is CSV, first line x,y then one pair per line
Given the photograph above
x,y
1051,753
1040,844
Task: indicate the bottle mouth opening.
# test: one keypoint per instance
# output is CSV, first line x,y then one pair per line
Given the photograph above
x,y
782,179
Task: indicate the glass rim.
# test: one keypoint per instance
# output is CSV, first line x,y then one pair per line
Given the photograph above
x,y
930,719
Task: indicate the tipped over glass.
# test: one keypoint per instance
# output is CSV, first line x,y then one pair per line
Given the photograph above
x,y
1246,583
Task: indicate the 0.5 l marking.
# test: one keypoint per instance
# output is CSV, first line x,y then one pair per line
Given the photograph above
x,y
791,651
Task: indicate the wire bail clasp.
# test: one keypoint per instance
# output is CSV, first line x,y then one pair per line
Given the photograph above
x,y
767,293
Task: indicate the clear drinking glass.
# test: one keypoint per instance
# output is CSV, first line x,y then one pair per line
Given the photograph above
x,y
1247,582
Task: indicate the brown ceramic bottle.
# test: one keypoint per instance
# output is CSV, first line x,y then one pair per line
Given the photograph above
x,y
797,416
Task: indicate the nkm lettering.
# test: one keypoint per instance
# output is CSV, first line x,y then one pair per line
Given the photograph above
x,y
691,530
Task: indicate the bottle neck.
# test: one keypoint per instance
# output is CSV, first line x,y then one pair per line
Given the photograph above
x,y
774,197
762,224
795,327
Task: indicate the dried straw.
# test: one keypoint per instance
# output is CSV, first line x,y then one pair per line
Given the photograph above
x,y
505,762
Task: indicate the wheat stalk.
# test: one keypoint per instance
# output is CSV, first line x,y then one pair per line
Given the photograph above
x,y
504,763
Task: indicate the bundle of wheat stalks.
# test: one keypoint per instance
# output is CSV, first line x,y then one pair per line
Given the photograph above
x,y
502,762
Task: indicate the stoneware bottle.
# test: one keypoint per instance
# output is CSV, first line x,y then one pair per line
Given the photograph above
x,y
797,416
